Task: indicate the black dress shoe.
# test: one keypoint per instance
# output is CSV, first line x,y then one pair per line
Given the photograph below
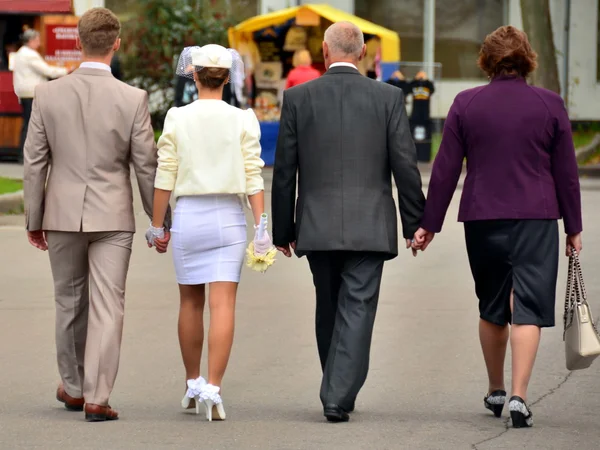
x,y
335,414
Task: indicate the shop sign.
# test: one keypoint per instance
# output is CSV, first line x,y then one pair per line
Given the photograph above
x,y
61,43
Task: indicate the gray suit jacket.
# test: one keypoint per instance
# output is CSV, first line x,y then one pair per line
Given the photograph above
x,y
86,128
344,135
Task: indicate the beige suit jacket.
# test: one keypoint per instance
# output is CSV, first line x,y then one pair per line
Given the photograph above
x,y
86,129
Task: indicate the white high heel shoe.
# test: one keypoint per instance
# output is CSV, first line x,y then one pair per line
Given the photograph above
x,y
213,403
193,393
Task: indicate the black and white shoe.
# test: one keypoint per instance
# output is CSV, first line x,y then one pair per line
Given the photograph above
x,y
495,402
520,413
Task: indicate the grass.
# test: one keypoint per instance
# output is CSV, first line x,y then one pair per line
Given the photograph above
x,y
580,139
8,186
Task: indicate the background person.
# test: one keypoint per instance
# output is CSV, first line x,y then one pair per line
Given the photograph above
x,y
521,178
29,70
302,71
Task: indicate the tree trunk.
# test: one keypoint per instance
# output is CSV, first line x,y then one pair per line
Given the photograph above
x,y
538,26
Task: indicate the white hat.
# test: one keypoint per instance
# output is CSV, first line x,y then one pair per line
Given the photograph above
x,y
193,59
212,55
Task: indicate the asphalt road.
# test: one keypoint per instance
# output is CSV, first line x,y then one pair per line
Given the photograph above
x,y
424,391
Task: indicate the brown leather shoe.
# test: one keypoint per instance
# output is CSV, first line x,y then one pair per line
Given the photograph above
x,y
71,403
98,413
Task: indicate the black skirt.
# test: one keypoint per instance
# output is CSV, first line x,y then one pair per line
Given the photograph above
x,y
519,255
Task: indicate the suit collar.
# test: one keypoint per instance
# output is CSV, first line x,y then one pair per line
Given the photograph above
x,y
93,72
342,69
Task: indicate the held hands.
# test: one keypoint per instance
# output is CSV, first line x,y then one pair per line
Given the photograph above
x,y
159,238
286,250
421,240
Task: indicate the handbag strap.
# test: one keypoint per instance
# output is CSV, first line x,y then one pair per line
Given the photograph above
x,y
580,286
570,295
576,293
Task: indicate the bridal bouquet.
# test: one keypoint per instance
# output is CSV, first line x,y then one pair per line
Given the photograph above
x,y
261,252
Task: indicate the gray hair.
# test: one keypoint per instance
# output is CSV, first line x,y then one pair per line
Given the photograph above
x,y
29,35
345,39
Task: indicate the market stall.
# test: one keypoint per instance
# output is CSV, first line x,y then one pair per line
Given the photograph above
x,y
267,43
57,25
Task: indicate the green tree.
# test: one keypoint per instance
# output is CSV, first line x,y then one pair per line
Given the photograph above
x,y
538,26
152,41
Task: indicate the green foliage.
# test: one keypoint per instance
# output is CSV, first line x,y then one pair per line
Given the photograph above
x,y
8,186
152,42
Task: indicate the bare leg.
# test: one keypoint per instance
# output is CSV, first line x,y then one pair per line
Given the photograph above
x,y
494,340
220,335
524,343
191,328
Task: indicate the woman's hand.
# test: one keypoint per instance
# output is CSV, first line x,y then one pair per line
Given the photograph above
x,y
422,239
574,242
154,233
264,245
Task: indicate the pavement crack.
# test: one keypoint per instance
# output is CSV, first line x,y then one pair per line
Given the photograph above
x,y
506,422
506,428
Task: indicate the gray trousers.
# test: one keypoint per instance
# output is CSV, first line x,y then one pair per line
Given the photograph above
x,y
90,272
347,287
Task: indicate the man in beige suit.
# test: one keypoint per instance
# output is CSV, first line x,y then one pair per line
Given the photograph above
x,y
85,130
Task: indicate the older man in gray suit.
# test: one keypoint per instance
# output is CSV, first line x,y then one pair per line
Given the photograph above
x,y
88,127
343,136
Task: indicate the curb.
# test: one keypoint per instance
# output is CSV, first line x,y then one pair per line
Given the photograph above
x,y
11,202
592,171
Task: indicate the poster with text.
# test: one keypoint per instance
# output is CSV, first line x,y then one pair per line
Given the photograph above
x,y
61,45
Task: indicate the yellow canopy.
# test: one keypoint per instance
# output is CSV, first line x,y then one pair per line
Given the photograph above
x,y
390,42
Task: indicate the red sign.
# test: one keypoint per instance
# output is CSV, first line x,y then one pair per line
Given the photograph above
x,y
9,103
36,6
60,43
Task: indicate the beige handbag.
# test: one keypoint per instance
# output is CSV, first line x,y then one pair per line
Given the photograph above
x,y
582,342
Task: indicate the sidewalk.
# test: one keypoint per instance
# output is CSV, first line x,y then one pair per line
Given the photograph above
x,y
11,170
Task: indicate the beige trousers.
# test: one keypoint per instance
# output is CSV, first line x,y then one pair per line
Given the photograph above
x,y
89,271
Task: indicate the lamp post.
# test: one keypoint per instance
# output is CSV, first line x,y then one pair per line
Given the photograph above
x,y
429,37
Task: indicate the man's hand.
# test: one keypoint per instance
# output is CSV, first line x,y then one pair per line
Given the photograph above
x,y
162,244
422,239
286,250
574,242
38,239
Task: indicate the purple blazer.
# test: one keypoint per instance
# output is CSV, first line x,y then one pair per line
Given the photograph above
x,y
520,157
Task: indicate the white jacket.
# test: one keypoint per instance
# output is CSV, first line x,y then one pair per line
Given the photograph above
x,y
30,69
210,147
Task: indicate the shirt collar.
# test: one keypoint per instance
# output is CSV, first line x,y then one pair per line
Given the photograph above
x,y
95,65
343,64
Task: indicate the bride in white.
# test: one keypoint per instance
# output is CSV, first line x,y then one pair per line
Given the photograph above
x,y
209,155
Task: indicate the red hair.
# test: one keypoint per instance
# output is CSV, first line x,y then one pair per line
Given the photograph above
x,y
506,51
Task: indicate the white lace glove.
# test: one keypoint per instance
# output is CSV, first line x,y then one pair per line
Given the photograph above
x,y
262,246
154,233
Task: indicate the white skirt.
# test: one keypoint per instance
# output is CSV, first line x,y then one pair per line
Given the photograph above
x,y
208,239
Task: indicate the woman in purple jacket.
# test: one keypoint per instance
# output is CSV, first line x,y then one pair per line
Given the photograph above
x,y
521,178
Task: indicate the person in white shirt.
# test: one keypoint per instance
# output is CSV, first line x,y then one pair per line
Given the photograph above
x,y
209,155
29,70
